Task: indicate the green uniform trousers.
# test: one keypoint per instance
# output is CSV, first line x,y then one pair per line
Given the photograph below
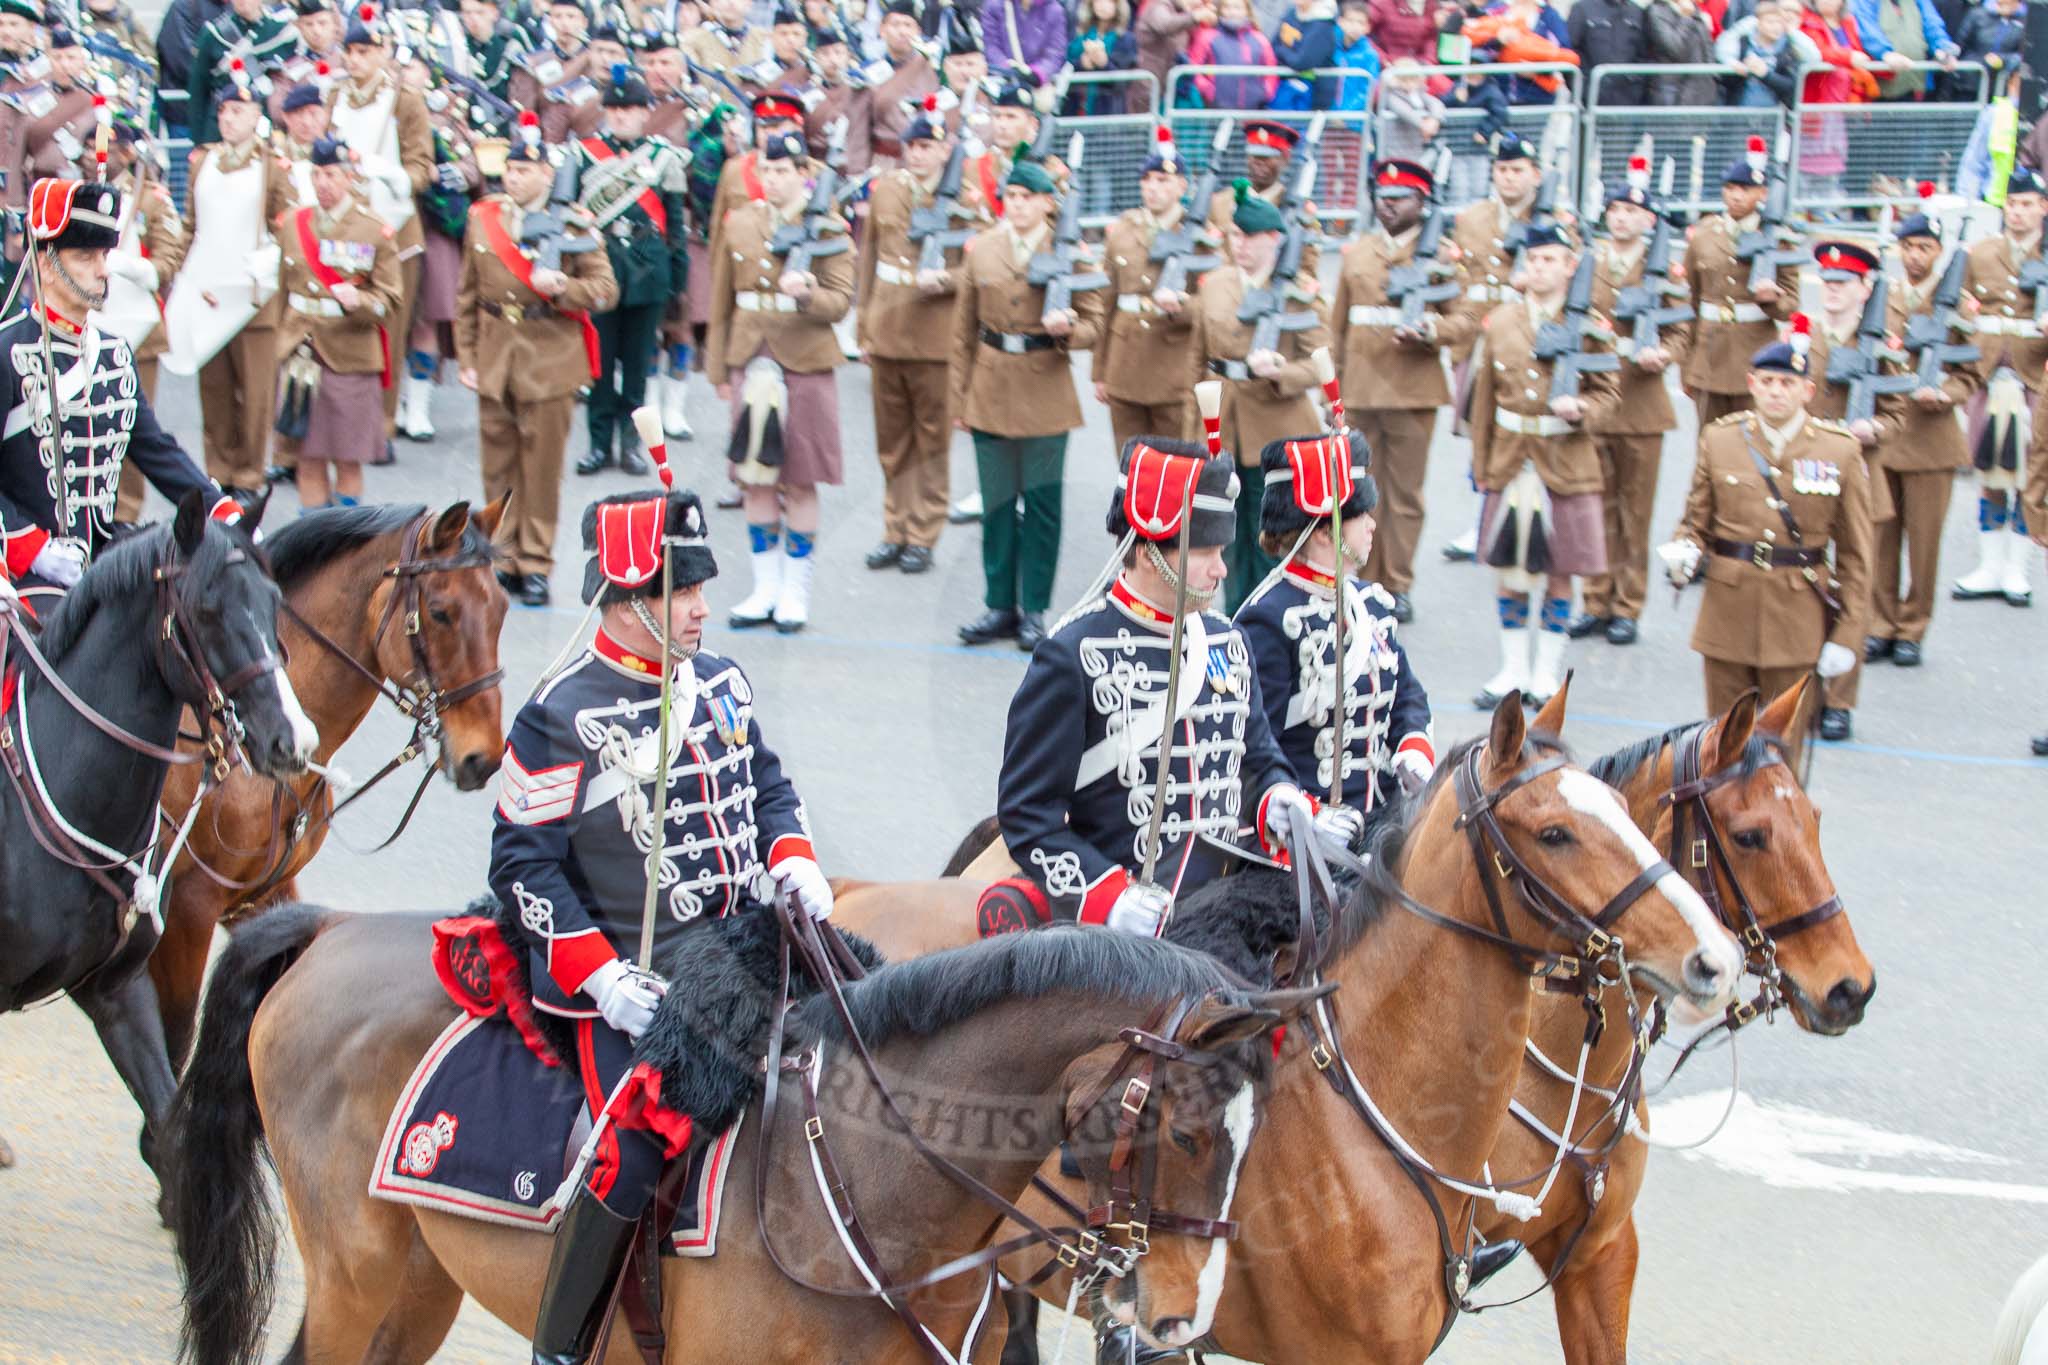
x,y
1248,564
1022,482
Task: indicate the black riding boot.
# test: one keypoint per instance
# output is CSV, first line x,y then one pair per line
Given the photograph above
x,y
1492,1258
591,1243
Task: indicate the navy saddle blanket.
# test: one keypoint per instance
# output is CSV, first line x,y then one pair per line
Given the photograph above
x,y
485,1130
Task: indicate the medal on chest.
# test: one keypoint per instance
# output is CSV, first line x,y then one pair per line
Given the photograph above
x,y
729,718
1820,477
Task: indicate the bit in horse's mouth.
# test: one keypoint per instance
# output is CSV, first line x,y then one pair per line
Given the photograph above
x,y
1655,981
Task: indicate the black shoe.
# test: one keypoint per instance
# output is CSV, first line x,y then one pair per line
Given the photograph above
x,y
510,582
1458,554
1492,1258
278,473
1404,610
533,590
2039,744
1621,631
1586,623
595,462
732,497
1876,647
885,556
1114,1346
390,455
1030,630
1834,724
590,1249
997,623
916,558
631,461
1906,653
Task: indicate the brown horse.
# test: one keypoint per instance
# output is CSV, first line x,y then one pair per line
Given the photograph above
x,y
1004,1045
405,605
1771,835
1434,1022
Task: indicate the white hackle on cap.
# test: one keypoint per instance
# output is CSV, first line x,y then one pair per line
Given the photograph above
x,y
647,421
1639,173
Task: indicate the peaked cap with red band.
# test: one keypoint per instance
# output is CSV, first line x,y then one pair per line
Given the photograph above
x,y
1269,139
66,215
625,532
1395,176
1152,490
778,108
1308,476
1840,260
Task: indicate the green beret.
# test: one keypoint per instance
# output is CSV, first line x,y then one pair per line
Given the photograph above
x,y
1255,214
22,9
1029,175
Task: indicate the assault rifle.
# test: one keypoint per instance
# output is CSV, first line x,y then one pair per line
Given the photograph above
x,y
1641,307
1859,367
2034,276
1055,270
1927,334
812,236
545,234
1176,249
1413,285
1558,341
1265,308
932,228
1772,245
1541,213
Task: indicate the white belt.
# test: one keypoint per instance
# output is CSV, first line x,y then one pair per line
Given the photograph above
x,y
1544,425
312,307
894,274
2009,327
1741,312
1135,303
1366,315
1492,292
751,302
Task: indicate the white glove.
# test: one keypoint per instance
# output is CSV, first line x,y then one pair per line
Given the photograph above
x,y
806,880
1681,561
60,561
1414,770
1835,660
1340,826
9,599
625,995
131,266
1139,910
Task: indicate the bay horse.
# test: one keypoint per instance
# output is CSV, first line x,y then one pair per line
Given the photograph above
x,y
173,617
1437,1011
385,602
1003,1044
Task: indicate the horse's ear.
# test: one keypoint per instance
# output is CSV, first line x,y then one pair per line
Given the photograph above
x,y
252,511
1781,717
492,513
449,526
1292,1003
1504,741
1221,1020
1550,719
188,528
1731,734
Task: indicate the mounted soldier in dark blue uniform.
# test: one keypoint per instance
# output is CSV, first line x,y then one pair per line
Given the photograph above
x,y
1080,771
1290,623
574,830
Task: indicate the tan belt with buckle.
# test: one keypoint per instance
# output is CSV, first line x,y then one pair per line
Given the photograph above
x,y
1741,312
751,302
1544,425
312,307
2008,327
894,274
1368,315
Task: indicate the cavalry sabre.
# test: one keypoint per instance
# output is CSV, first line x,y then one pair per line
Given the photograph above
x,y
647,421
1339,474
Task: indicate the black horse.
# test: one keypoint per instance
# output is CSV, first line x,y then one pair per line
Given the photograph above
x,y
176,617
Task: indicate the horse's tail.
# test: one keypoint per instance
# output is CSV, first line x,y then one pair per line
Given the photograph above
x,y
984,833
220,1204
2024,1317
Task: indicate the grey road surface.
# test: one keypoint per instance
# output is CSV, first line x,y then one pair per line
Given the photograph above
x,y
1872,1200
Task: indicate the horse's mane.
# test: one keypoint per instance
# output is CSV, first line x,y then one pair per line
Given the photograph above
x,y
926,994
1617,768
124,573
318,537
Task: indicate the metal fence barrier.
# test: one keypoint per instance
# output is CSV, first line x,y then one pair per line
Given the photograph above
x,y
1115,144
1699,141
1851,156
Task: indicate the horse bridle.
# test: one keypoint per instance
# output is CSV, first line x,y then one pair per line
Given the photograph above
x,y
1079,1248
1696,841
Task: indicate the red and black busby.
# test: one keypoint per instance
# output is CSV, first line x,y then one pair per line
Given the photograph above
x,y
625,534
1152,490
80,215
1310,477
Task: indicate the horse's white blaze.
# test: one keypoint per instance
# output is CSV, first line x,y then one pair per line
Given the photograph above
x,y
1237,1123
1588,795
305,734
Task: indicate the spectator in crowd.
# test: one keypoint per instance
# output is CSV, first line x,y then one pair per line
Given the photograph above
x,y
176,36
1850,78
1609,33
1103,42
1476,110
1911,31
1231,41
1681,34
1991,33
1163,29
1306,40
1768,49
1994,146
1029,33
1355,52
1525,31
1407,28
1410,117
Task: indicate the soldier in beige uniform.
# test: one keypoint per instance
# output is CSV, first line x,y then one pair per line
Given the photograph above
x,y
1265,391
906,318
562,80
1630,438
726,42
2012,351
524,342
1917,462
770,352
1268,172
152,248
1013,389
53,141
1141,363
1730,321
1393,375
1534,458
899,79
1778,605
340,285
